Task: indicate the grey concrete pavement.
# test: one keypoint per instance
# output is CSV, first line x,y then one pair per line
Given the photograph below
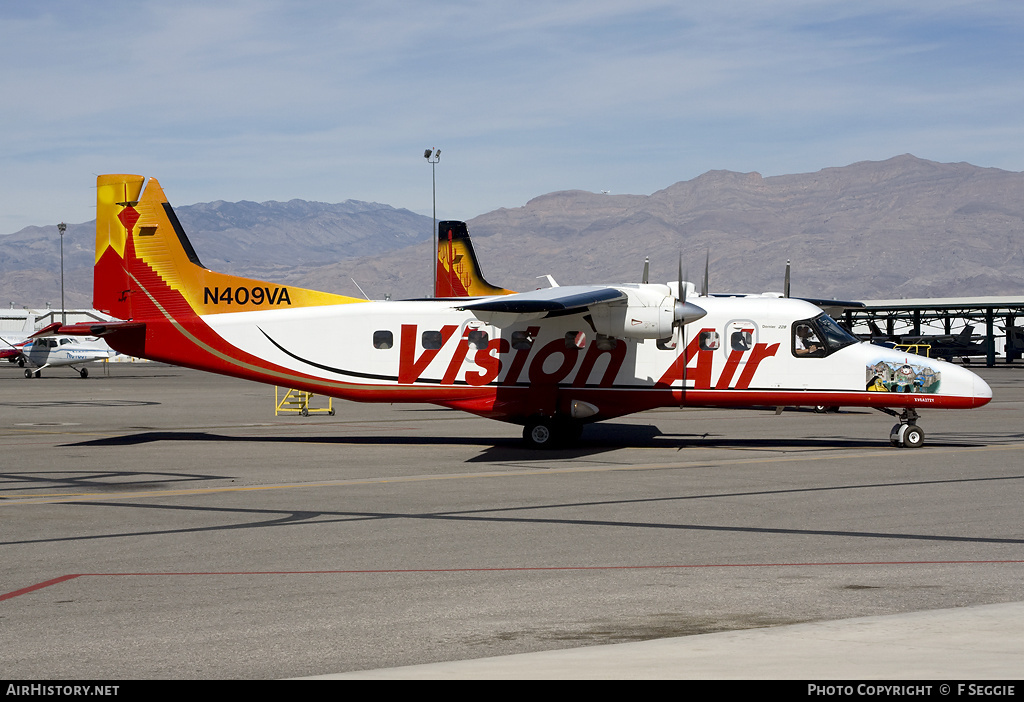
x,y
970,643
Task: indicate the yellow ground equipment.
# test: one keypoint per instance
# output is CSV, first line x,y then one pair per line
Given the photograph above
x,y
299,401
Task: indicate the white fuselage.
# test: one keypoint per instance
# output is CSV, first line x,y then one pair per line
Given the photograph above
x,y
742,353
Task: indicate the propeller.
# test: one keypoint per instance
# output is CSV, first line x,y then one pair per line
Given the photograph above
x,y
704,284
647,270
684,313
679,315
785,288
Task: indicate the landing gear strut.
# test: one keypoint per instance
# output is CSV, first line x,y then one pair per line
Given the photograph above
x,y
906,434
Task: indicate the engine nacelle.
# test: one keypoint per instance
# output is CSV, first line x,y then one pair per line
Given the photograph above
x,y
635,321
649,312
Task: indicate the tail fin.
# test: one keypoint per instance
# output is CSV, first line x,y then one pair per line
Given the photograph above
x,y
458,272
146,267
967,333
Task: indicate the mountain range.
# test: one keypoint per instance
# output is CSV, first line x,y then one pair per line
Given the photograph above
x,y
903,227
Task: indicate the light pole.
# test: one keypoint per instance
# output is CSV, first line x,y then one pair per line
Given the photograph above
x,y
433,156
63,315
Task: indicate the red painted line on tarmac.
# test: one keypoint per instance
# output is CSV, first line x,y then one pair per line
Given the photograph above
x,y
399,571
39,586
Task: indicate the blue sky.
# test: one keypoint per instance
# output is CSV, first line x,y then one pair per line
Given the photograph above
x,y
273,100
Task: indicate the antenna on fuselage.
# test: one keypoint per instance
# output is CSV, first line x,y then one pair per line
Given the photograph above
x,y
365,296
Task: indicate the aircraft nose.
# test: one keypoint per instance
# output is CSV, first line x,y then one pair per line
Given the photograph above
x,y
982,391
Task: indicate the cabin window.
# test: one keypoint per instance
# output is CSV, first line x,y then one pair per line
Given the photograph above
x,y
522,340
431,340
667,344
741,340
575,340
709,341
383,339
477,339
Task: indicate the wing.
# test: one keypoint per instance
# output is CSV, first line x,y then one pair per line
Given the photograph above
x,y
549,301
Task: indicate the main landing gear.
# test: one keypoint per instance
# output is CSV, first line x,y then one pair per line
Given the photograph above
x,y
906,434
551,432
36,373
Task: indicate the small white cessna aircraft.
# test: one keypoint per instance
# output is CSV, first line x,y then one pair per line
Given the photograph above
x,y
550,360
41,350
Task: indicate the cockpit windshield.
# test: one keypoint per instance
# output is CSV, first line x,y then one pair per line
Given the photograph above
x,y
835,336
819,337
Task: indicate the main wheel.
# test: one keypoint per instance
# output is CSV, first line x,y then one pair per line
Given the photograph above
x,y
84,372
539,433
551,432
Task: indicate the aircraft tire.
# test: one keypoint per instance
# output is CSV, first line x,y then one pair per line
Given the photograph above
x,y
894,436
548,432
913,437
539,433
84,372
906,436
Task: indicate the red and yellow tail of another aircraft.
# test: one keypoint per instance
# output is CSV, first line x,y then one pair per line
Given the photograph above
x,y
458,271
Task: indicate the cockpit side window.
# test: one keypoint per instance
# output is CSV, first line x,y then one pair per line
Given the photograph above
x,y
806,342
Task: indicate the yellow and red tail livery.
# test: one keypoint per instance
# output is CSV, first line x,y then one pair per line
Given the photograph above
x,y
146,267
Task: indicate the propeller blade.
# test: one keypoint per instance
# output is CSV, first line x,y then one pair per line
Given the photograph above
x,y
680,293
681,348
785,289
647,269
704,284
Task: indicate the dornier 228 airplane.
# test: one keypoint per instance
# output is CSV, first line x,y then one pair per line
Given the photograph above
x,y
551,360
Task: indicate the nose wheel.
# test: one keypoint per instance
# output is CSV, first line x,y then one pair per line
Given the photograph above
x,y
906,434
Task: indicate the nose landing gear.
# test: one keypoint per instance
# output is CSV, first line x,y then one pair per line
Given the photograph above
x,y
906,434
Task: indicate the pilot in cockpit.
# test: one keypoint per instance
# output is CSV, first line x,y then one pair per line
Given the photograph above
x,y
806,342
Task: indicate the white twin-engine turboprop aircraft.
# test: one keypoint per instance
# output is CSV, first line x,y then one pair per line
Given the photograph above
x,y
551,360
